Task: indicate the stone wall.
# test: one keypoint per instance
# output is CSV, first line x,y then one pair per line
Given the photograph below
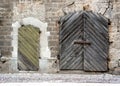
x,y
5,34
5,28
26,8
56,9
109,8
50,11
114,51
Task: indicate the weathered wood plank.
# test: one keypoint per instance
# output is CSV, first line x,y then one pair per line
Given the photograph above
x,y
28,44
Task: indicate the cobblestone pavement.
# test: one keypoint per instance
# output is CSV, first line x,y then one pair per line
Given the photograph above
x,y
36,77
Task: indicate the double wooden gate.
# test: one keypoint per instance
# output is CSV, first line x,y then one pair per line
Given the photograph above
x,y
84,41
28,48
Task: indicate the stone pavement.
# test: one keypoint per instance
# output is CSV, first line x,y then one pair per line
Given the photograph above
x,y
74,78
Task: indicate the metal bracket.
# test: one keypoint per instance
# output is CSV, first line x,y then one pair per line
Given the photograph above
x,y
81,42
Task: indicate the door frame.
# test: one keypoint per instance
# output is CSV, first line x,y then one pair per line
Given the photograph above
x,y
45,52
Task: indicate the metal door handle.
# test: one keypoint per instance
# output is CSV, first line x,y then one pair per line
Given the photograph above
x,y
81,42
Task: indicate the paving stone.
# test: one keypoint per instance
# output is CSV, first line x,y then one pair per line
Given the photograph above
x,y
36,77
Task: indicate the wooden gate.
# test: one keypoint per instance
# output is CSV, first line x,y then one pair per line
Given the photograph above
x,y
28,48
84,41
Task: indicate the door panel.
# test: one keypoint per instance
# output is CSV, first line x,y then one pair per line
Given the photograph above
x,y
95,31
28,48
71,54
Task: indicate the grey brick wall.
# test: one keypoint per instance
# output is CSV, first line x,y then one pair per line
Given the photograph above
x,y
50,11
52,19
5,27
5,33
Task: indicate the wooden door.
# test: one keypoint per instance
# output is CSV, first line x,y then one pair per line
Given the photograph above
x,y
96,32
28,48
71,56
84,41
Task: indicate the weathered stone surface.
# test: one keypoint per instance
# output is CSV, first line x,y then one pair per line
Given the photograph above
x,y
50,11
25,9
71,78
4,66
5,33
117,71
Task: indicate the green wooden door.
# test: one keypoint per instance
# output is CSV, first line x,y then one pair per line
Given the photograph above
x,y
28,48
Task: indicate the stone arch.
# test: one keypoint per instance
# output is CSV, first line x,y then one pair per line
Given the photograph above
x,y
44,49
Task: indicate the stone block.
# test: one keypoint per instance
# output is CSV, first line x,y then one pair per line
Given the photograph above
x,y
6,28
52,43
43,65
53,65
13,65
4,67
6,48
48,65
57,1
5,33
116,71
